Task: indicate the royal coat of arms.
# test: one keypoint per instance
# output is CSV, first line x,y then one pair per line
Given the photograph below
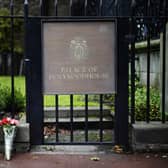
x,y
79,49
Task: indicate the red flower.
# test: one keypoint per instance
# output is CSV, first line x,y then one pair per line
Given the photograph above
x,y
8,121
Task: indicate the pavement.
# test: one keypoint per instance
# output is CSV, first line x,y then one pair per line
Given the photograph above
x,y
54,160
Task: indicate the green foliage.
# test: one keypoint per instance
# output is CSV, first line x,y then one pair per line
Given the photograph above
x,y
2,99
5,33
140,104
49,100
109,100
6,100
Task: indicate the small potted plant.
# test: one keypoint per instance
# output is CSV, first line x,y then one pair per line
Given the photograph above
x,y
9,129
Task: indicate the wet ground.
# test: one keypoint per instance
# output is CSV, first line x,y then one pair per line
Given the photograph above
x,y
54,160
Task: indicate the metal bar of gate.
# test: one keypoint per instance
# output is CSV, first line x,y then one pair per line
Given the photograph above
x,y
56,7
148,77
164,65
80,143
86,96
27,61
86,118
163,74
56,117
148,66
85,7
132,38
132,80
101,95
100,7
71,118
70,7
71,96
42,11
101,118
56,96
116,7
12,58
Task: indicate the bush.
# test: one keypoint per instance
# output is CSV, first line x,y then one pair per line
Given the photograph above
x,y
2,98
6,100
5,31
109,100
140,104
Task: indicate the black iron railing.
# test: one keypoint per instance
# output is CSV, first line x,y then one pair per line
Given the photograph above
x,y
145,20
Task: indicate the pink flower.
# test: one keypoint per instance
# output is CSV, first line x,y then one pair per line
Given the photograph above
x,y
14,122
8,121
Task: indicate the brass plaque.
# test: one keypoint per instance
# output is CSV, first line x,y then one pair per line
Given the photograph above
x,y
79,57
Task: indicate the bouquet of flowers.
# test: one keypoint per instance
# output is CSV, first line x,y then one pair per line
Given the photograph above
x,y
9,129
8,124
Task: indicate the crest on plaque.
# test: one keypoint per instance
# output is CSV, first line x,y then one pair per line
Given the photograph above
x,y
79,49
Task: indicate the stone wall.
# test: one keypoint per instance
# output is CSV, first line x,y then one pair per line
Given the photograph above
x,y
149,137
141,63
141,68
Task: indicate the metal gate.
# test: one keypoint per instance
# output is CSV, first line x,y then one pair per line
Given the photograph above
x,y
96,125
135,21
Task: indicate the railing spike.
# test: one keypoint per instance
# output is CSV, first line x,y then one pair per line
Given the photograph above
x,y
11,3
133,3
56,2
26,2
41,2
116,2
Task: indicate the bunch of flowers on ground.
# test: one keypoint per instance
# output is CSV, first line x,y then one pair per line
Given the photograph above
x,y
8,123
9,129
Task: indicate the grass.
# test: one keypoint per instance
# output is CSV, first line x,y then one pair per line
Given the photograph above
x,y
49,100
19,82
64,100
